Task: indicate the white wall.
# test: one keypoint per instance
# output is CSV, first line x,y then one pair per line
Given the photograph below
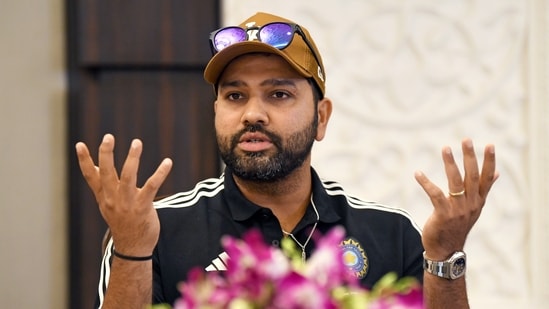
x,y
408,77
32,155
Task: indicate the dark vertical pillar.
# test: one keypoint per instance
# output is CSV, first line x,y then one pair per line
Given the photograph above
x,y
135,70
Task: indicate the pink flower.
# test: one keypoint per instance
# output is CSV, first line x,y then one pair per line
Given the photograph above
x,y
251,256
326,265
411,300
298,292
391,292
203,288
261,276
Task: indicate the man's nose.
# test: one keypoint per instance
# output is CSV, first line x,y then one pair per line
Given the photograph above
x,y
255,111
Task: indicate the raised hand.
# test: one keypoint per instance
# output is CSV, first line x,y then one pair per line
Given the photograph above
x,y
127,209
456,212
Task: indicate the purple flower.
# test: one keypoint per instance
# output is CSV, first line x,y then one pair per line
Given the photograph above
x,y
326,265
411,300
251,256
203,288
391,292
261,276
298,292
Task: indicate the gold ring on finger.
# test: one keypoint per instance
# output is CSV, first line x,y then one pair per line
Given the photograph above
x,y
457,193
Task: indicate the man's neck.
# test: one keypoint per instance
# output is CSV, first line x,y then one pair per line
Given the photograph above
x,y
287,198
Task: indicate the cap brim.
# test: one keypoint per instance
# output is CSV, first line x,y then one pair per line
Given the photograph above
x,y
219,61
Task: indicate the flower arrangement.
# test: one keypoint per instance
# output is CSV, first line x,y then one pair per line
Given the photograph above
x,y
261,276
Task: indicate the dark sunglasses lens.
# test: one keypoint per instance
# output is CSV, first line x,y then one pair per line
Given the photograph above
x,y
228,36
277,34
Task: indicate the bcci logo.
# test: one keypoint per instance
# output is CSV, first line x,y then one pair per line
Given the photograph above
x,y
354,257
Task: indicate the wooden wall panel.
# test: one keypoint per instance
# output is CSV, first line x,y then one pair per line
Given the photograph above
x,y
176,32
135,70
170,111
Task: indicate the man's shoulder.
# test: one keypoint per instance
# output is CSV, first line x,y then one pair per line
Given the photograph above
x,y
335,193
360,208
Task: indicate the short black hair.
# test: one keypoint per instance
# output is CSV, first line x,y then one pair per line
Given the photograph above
x,y
317,94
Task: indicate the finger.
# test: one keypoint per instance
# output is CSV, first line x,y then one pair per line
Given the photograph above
x,y
107,171
128,176
471,167
488,175
87,167
455,182
436,195
154,182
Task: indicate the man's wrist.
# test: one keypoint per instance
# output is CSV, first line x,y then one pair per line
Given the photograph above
x,y
131,257
452,267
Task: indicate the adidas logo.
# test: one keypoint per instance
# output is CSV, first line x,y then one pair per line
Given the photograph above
x,y
219,263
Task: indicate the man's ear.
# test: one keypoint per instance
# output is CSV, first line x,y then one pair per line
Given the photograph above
x,y
324,111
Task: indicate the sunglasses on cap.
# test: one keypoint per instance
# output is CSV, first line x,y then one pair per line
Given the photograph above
x,y
277,34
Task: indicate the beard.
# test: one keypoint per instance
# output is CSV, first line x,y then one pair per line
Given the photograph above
x,y
261,166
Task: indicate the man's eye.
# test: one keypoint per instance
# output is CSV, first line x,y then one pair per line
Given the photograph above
x,y
280,95
234,96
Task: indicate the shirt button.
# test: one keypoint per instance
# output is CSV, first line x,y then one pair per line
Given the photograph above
x,y
275,243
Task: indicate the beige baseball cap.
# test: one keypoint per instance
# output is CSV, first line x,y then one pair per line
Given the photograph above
x,y
302,53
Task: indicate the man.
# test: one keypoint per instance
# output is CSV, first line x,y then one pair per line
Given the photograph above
x,y
270,108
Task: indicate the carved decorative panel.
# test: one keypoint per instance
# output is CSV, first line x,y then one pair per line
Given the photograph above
x,y
407,78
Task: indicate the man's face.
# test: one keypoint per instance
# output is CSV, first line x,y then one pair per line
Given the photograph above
x,y
265,120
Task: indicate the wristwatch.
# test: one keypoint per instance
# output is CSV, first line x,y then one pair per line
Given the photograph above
x,y
452,268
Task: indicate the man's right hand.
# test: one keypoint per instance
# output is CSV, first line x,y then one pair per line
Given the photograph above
x,y
127,209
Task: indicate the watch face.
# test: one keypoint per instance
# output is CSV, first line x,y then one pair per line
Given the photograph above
x,y
458,267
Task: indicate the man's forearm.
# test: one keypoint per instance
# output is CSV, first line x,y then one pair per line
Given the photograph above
x,y
444,293
130,285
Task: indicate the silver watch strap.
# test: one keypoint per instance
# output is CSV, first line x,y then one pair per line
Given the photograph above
x,y
437,268
452,268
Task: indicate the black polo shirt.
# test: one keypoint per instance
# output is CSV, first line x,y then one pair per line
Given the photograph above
x,y
380,239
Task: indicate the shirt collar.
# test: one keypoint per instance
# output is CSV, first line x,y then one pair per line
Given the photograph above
x,y
242,209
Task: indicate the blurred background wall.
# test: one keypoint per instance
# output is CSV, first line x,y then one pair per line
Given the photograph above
x,y
406,78
32,155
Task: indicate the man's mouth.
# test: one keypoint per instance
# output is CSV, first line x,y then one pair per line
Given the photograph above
x,y
254,142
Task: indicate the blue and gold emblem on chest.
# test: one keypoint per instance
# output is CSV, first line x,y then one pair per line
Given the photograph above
x,y
354,257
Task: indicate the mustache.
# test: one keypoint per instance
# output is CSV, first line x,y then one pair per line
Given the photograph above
x,y
275,139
